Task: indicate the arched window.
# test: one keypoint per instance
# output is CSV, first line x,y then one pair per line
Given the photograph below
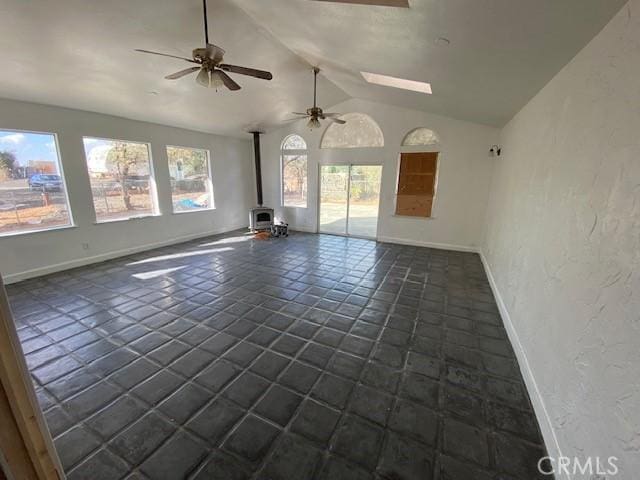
x,y
420,136
293,162
418,173
294,142
360,131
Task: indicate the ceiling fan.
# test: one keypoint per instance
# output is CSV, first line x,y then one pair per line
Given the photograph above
x,y
212,72
315,113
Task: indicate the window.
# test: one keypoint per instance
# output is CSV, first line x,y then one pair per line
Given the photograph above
x,y
121,179
420,136
191,187
416,184
395,82
294,172
32,188
360,131
294,142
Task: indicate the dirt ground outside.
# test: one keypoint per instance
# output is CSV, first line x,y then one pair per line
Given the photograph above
x,y
363,218
112,206
23,210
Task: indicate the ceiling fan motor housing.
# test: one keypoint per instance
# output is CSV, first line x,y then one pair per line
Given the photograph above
x,y
314,112
199,54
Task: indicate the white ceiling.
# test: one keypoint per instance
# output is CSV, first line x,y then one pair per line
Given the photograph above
x,y
502,52
79,54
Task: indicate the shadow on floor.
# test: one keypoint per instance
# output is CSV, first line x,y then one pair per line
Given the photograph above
x,y
307,357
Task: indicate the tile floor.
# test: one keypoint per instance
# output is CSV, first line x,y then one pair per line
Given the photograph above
x,y
308,357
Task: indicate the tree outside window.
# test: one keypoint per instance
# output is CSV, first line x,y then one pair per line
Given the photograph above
x,y
294,172
191,183
32,188
121,179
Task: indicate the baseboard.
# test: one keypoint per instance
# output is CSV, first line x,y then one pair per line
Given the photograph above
x,y
80,262
546,426
418,243
295,228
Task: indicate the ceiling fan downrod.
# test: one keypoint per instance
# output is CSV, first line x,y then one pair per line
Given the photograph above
x,y
206,25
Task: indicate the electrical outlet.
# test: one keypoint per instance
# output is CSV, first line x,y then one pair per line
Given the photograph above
x,y
85,246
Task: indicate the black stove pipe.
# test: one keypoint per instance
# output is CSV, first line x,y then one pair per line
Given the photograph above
x,y
256,157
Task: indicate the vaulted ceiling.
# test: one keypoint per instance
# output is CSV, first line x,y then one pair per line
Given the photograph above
x,y
79,54
500,52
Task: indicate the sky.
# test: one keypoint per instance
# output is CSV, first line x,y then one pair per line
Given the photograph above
x,y
29,146
97,150
42,146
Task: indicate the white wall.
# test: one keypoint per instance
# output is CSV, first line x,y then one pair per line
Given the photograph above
x,y
563,245
463,181
22,256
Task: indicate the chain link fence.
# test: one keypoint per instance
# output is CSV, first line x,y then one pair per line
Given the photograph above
x,y
24,208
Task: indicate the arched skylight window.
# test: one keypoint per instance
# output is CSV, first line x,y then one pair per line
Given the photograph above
x,y
360,131
421,136
293,162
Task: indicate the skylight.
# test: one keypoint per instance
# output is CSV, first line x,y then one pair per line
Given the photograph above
x,y
395,82
379,3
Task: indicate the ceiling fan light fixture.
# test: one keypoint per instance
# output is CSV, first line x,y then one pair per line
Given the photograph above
x,y
313,123
216,81
395,82
203,77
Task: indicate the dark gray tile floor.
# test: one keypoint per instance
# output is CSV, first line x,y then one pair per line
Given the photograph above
x,y
308,357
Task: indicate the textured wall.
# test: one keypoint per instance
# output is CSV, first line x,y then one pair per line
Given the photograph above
x,y
563,243
463,179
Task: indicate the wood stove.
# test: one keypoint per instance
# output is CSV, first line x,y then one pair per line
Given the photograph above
x,y
260,218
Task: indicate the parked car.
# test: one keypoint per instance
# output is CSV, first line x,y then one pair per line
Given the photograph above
x,y
46,182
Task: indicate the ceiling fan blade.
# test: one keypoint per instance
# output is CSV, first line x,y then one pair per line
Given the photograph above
x,y
252,72
299,113
165,55
215,53
182,73
332,114
336,120
226,79
203,78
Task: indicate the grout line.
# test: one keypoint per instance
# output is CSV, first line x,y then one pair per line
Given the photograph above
x,y
304,267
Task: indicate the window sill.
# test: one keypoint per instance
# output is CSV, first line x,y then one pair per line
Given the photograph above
x,y
116,220
295,206
38,230
413,216
195,210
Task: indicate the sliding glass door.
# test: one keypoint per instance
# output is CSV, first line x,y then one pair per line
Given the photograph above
x,y
349,199
334,198
364,199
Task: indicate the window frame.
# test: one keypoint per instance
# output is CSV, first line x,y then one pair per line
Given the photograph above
x,y
292,153
72,223
209,180
153,189
436,178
